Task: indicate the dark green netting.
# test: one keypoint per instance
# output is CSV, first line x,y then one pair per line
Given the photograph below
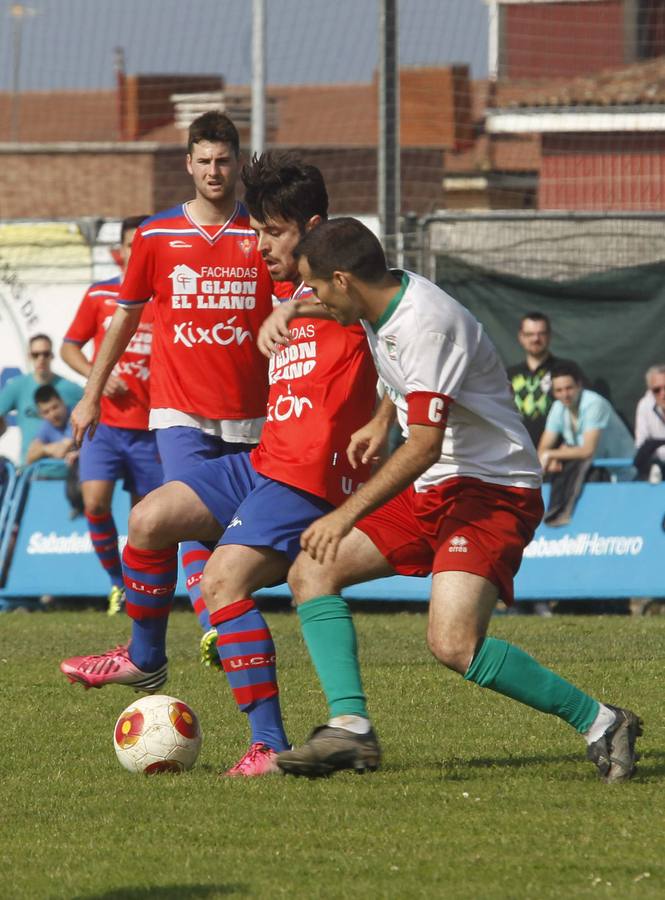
x,y
611,323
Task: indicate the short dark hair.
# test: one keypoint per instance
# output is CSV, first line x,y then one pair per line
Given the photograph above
x,y
40,337
45,393
280,184
215,127
131,223
343,245
566,368
536,317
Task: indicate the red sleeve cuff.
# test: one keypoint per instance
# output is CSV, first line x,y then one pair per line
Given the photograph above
x,y
425,408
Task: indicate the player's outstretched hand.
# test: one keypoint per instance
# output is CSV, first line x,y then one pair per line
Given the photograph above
x,y
85,417
366,443
322,539
114,386
274,333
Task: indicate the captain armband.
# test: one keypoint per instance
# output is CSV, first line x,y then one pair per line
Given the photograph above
x,y
425,408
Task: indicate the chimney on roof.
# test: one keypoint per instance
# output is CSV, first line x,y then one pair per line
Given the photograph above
x,y
188,106
236,103
146,101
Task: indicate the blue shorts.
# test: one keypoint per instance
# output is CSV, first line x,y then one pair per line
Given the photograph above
x,y
182,447
254,511
127,453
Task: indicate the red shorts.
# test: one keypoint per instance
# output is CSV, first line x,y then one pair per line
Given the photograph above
x,y
462,525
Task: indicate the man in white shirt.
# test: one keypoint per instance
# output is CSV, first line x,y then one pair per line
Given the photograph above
x,y
650,426
460,499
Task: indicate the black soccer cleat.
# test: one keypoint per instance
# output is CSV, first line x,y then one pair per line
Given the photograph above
x,y
330,749
614,753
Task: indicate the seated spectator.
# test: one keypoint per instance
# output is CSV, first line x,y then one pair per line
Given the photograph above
x,y
650,427
531,380
54,438
19,392
591,430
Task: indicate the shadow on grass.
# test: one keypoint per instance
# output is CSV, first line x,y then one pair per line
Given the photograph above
x,y
459,768
168,892
516,762
652,764
210,769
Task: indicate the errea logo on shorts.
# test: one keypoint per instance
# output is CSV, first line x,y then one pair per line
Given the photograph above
x,y
458,544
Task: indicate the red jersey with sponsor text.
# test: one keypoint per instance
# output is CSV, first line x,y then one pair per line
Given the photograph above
x,y
322,389
210,293
93,317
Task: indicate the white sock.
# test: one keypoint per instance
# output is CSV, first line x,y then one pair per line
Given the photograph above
x,y
601,723
356,724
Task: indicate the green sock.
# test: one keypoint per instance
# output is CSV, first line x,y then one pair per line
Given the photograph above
x,y
508,670
330,636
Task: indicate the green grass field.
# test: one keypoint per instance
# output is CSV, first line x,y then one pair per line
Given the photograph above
x,y
478,797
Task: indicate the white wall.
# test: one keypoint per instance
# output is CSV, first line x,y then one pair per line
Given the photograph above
x,y
45,268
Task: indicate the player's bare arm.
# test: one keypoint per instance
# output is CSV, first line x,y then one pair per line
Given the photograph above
x,y
367,442
274,332
85,414
420,451
77,360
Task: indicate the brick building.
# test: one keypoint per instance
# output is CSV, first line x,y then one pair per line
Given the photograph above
x,y
103,153
574,118
565,38
601,137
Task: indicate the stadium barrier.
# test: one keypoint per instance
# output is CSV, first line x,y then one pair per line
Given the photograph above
x,y
7,481
613,547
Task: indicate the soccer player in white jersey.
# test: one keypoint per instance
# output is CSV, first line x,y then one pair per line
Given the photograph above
x,y
460,498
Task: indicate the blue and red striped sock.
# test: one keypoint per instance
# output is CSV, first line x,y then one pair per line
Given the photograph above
x,y
194,557
247,652
150,582
104,537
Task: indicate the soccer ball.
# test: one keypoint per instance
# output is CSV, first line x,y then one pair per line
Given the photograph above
x,y
157,734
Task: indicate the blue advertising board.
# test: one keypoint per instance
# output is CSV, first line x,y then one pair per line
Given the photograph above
x,y
614,547
53,553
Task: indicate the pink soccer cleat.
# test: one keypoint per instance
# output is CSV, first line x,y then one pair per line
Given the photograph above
x,y
112,667
259,760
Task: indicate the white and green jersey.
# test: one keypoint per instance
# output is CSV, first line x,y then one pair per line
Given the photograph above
x,y
440,368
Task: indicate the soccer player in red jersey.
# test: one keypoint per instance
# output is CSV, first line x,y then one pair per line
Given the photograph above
x,y
199,268
459,499
122,446
322,388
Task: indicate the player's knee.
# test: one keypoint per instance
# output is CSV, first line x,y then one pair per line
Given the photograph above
x,y
218,589
212,588
145,524
453,651
96,508
302,580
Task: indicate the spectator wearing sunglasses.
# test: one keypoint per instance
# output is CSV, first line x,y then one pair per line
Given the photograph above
x,y
650,426
18,395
